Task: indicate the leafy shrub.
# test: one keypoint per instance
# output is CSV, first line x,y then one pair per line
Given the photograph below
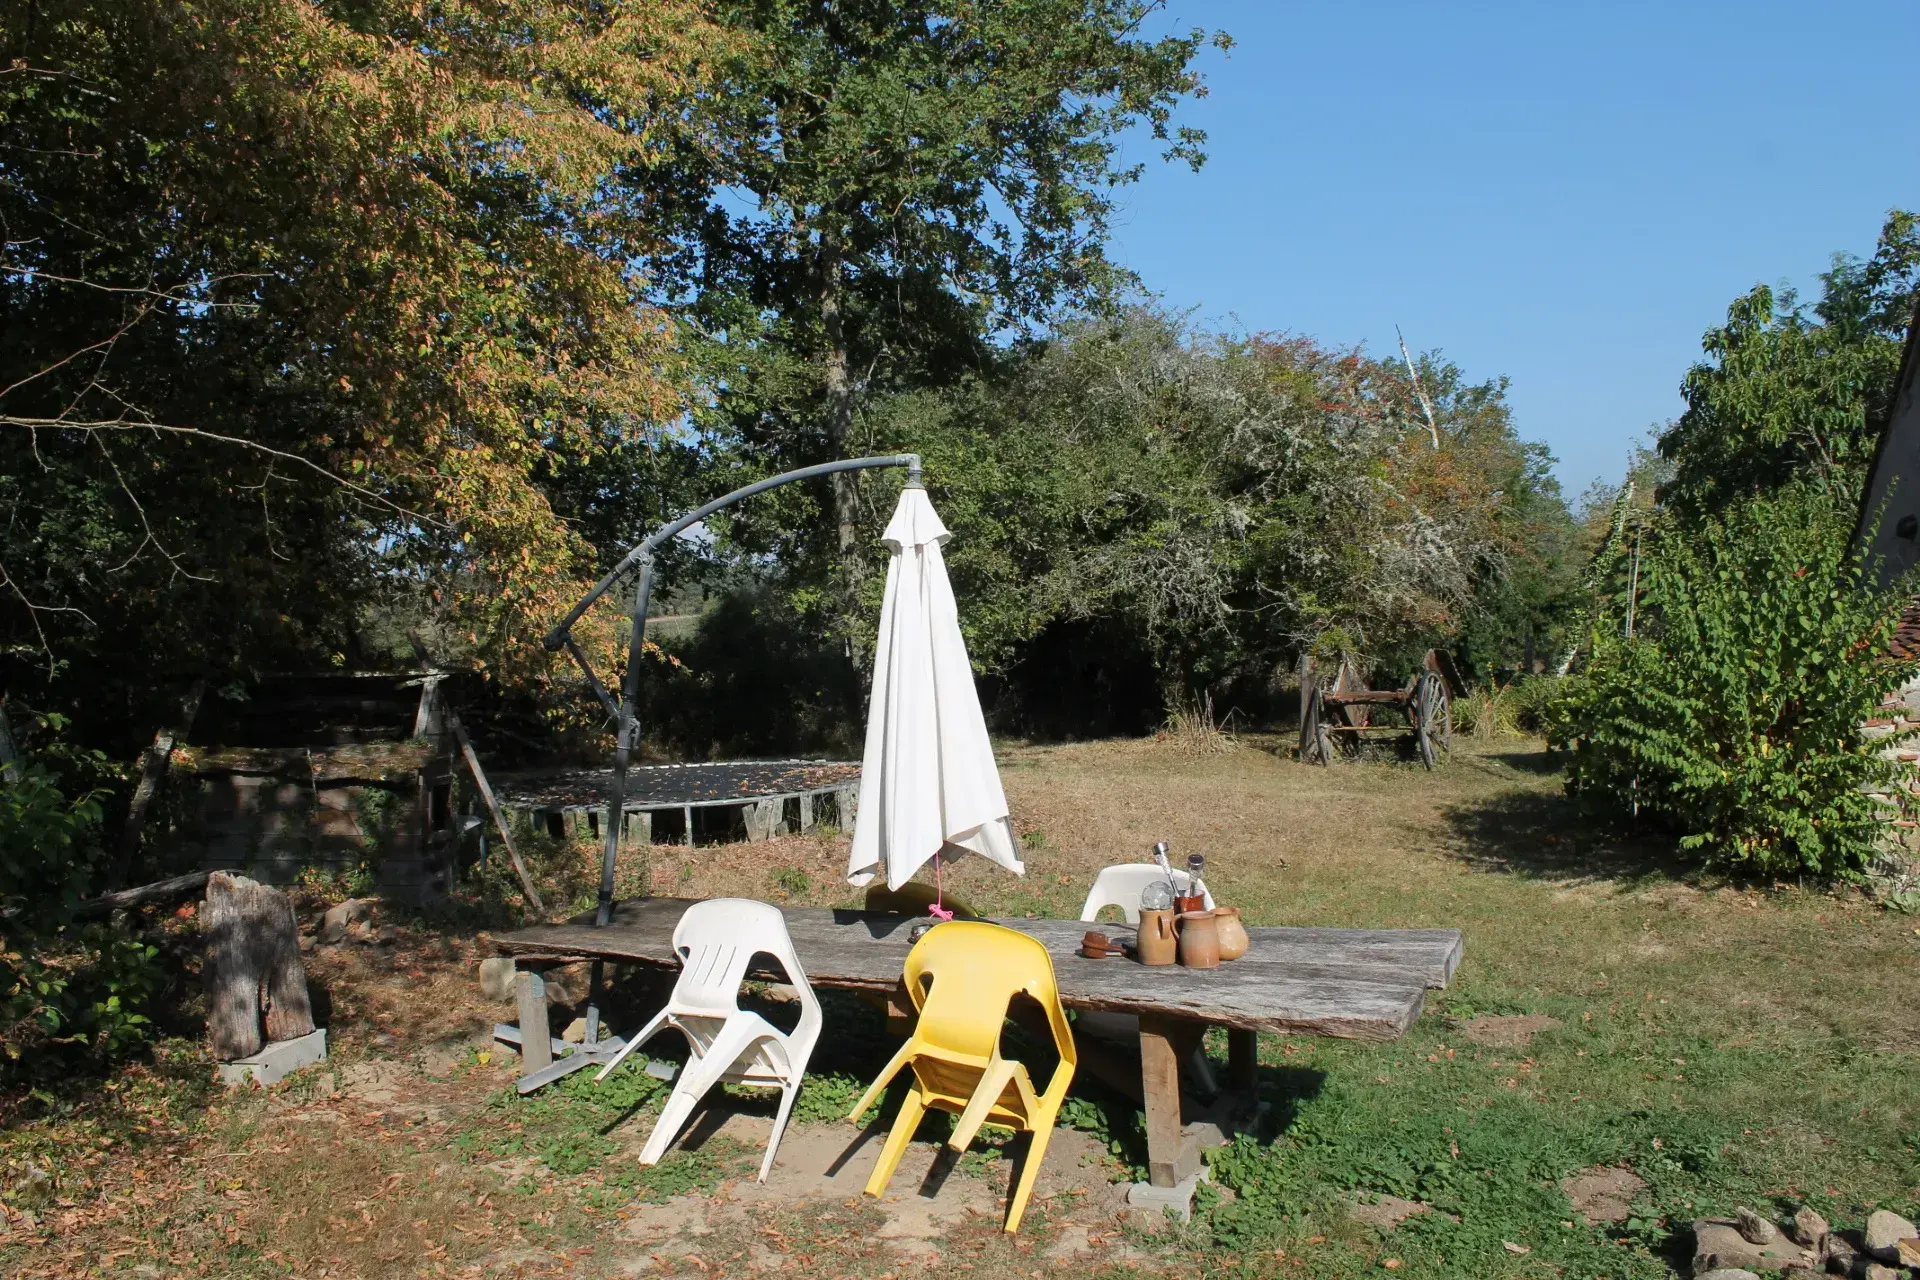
x,y
49,838
63,989
1733,715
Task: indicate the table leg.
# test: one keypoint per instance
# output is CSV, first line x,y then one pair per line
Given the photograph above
x,y
900,1012
1243,1060
536,1050
1163,1042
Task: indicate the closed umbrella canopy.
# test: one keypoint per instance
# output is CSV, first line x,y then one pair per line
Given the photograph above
x,y
928,783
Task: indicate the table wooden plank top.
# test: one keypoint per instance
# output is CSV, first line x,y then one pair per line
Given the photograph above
x,y
1366,984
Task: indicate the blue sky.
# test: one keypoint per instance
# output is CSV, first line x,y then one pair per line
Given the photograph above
x,y
1566,195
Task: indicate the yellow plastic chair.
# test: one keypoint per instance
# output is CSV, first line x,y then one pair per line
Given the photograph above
x,y
977,968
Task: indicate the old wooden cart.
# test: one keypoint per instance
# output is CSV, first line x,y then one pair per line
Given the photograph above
x,y
1367,984
1336,717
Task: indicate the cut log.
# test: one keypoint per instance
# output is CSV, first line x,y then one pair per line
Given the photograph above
x,y
256,985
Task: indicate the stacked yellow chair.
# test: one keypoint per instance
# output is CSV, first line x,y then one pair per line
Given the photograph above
x,y
976,969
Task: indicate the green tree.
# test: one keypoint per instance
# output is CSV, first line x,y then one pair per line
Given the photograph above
x,y
1731,715
1796,391
1226,502
897,185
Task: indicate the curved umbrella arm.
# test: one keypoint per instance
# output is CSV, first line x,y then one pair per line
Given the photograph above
x,y
561,636
673,528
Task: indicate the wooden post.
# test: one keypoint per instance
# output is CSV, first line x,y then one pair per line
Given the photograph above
x,y
153,767
536,1039
499,815
806,813
1163,1042
1243,1060
688,811
428,718
253,963
1303,667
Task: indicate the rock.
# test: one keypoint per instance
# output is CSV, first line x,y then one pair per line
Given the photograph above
x,y
1803,1273
35,1190
1884,1233
1909,1252
1875,1271
576,1032
1809,1229
1727,1273
341,917
1840,1254
389,934
1754,1229
496,978
1718,1243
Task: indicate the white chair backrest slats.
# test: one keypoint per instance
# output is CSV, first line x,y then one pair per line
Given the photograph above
x,y
1121,885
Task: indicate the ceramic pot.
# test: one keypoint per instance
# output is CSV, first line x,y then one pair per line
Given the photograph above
x,y
1157,942
1199,940
1233,934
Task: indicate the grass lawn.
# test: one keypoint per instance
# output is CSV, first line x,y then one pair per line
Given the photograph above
x,y
1724,1045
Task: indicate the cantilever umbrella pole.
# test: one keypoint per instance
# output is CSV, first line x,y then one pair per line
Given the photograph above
x,y
561,636
628,735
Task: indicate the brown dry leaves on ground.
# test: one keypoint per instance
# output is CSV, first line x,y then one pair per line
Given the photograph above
x,y
408,1156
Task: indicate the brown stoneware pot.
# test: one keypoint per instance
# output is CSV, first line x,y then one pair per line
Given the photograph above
x,y
1233,934
1158,941
1199,940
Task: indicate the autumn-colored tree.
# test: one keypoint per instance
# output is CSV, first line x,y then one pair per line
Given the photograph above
x,y
1219,504
306,305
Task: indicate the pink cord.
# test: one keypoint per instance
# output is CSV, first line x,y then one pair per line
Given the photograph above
x,y
937,911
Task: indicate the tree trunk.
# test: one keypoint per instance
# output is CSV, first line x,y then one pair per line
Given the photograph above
x,y
838,390
253,968
153,767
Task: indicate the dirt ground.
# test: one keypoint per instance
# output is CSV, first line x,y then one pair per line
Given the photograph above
x,y
409,1154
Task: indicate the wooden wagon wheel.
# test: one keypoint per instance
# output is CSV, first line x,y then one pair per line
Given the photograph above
x,y
1432,717
1316,744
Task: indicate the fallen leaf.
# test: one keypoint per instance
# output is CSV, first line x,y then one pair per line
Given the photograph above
x,y
1391,1264
1511,1247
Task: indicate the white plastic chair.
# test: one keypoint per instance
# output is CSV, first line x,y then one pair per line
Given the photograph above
x,y
716,940
1120,886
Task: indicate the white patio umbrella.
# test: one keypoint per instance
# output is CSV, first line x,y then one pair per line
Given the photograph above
x,y
928,784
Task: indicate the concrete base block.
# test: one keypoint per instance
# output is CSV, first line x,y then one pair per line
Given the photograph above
x,y
1177,1199
277,1061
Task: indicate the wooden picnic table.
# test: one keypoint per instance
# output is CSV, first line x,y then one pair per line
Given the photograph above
x,y
1366,984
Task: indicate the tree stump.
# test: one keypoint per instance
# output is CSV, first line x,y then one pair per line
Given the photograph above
x,y
256,985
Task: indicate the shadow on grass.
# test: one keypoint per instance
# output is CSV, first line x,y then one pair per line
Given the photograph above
x,y
1284,1090
1541,764
1529,833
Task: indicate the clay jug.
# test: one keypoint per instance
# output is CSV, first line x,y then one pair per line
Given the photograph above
x,y
1157,943
1233,934
1199,940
